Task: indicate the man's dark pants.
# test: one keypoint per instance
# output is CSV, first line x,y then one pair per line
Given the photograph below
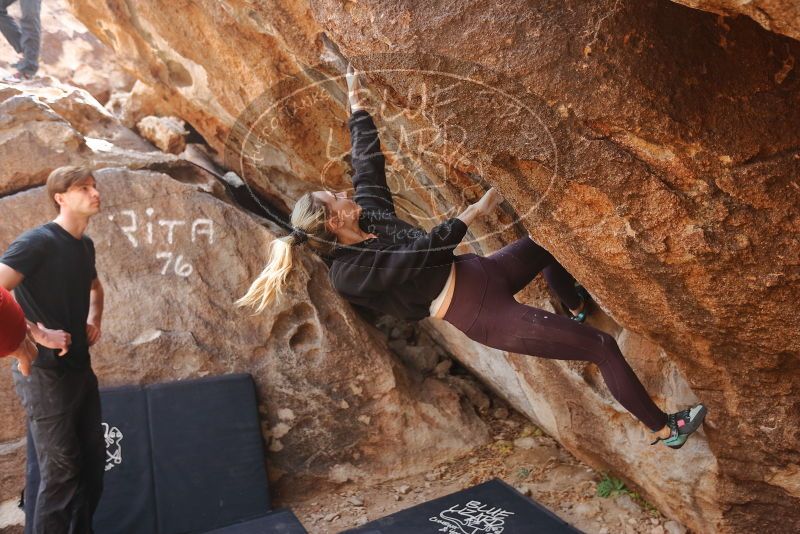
x,y
63,408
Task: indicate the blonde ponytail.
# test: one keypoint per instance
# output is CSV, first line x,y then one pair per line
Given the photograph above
x,y
308,219
268,285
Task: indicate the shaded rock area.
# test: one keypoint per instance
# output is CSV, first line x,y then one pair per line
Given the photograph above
x,y
781,16
174,251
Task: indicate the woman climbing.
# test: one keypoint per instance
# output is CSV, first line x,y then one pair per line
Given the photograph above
x,y
388,265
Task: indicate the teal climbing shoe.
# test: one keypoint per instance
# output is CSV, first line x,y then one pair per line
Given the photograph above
x,y
585,298
682,424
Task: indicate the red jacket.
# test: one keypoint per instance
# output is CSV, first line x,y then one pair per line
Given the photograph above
x,y
12,323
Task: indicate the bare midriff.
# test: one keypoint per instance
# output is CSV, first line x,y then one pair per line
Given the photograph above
x,y
448,290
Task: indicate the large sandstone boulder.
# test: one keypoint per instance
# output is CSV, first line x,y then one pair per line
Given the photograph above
x,y
678,217
174,252
173,259
45,124
650,147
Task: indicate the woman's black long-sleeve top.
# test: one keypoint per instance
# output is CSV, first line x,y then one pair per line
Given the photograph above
x,y
402,270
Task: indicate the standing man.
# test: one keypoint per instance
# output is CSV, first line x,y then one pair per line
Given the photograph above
x,y
52,270
25,37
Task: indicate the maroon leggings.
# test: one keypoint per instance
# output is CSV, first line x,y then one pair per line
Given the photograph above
x,y
484,308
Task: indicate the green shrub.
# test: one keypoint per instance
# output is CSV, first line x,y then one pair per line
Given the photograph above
x,y
611,487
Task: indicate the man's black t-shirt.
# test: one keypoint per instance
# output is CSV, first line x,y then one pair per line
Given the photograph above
x,y
58,271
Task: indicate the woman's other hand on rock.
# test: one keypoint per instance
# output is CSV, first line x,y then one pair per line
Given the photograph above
x,y
489,202
486,205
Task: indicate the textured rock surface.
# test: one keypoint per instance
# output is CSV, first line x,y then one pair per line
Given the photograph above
x,y
682,221
169,315
173,256
256,48
142,101
167,133
781,16
651,147
71,53
45,124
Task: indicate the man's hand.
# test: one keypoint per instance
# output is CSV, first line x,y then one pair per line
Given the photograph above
x,y
52,339
92,333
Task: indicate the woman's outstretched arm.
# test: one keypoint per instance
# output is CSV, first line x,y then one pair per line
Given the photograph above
x,y
369,164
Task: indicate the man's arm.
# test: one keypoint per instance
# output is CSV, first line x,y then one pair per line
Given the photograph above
x,y
94,322
53,339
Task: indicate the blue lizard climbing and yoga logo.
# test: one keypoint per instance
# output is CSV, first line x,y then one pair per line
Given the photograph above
x,y
113,437
474,517
435,161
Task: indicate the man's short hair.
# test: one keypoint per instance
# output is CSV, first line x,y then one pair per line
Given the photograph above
x,y
61,179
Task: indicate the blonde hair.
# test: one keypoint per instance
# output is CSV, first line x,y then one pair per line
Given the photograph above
x,y
308,217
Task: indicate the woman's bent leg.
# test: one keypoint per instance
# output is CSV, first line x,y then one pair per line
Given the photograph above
x,y
520,262
562,283
485,310
522,329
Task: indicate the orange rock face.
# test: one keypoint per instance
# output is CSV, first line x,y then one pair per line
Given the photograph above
x,y
652,148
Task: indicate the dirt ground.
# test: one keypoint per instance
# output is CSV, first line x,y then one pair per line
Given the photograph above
x,y
522,456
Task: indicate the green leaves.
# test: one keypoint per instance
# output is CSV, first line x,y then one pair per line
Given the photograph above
x,y
611,487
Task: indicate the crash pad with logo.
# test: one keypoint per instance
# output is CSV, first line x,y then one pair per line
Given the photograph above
x,y
127,503
493,507
181,457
